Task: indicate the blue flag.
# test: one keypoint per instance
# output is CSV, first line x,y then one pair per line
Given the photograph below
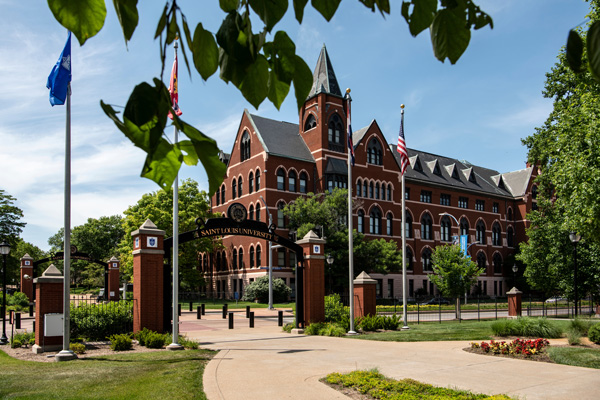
x,y
59,78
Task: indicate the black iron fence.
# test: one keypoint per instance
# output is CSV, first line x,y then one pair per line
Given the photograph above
x,y
97,320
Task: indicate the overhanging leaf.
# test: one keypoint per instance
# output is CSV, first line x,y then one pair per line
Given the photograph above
x,y
163,165
593,48
254,86
188,151
84,18
449,36
278,90
422,15
128,16
269,11
327,8
299,6
228,5
206,52
303,81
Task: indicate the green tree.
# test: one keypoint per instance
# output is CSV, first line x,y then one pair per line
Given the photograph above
x,y
453,273
259,290
10,215
158,207
261,64
19,248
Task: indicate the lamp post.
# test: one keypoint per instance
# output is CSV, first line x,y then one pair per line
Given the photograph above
x,y
514,270
4,249
575,238
329,262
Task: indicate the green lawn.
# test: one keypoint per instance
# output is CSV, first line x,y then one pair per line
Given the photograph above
x,y
577,356
433,331
153,375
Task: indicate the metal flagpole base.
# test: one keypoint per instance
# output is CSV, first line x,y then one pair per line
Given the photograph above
x,y
174,346
351,333
65,355
405,328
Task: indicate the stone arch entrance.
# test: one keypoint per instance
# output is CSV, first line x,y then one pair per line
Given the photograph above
x,y
151,274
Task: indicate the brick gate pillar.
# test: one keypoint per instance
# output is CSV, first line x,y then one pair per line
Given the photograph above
x,y
514,303
113,279
314,277
365,295
27,276
148,257
49,324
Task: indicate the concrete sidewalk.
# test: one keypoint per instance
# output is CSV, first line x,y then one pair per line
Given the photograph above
x,y
265,363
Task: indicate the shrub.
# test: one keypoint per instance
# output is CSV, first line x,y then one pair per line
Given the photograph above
x,y
370,323
259,290
21,339
19,300
335,311
155,340
580,325
594,333
390,322
314,328
78,348
140,336
188,343
99,321
120,342
332,330
15,344
574,337
524,326
288,327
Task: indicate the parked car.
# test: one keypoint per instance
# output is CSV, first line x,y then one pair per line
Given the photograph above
x,y
435,301
556,299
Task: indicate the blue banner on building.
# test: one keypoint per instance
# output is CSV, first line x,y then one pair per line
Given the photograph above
x,y
463,243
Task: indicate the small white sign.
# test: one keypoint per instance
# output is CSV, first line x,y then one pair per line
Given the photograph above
x,y
27,262
115,265
316,249
137,243
152,241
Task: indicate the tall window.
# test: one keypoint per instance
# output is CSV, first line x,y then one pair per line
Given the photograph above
x,y
251,212
365,189
223,193
375,221
426,226
257,180
280,216
445,225
241,258
409,259
292,181
359,188
408,226
233,189
497,263
374,152
481,258
425,196
480,205
389,192
218,262
281,257
251,256
257,211
361,221
280,179
464,226
463,202
245,146
303,182
258,256
235,259
510,234
390,221
218,197
534,192
371,190
509,215
495,207
406,193
496,234
377,191
251,182
445,199
480,232
336,129
240,187
427,260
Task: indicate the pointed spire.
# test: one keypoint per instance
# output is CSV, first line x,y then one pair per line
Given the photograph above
x,y
324,80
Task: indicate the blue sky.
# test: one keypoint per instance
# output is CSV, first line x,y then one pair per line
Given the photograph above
x,y
477,110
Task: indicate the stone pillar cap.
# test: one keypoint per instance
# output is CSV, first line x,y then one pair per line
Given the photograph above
x,y
148,227
311,237
364,278
26,257
514,290
50,275
113,259
52,271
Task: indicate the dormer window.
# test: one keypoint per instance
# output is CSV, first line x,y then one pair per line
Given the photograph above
x,y
335,133
245,146
374,152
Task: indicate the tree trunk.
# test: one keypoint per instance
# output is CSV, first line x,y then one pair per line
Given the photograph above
x,y
458,308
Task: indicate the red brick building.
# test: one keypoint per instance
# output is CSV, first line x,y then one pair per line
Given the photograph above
x,y
273,162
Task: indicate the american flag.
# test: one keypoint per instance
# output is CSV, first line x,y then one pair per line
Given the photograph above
x,y
402,146
350,143
173,90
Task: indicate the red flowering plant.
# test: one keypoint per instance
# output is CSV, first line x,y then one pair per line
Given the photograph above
x,y
526,348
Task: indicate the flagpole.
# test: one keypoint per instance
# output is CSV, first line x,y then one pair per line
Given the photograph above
x,y
175,345
404,297
350,233
66,353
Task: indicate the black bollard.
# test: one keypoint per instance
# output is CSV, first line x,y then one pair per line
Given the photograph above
x,y
280,318
230,320
203,310
10,316
224,311
17,320
31,310
247,311
252,319
33,326
199,313
191,306
179,309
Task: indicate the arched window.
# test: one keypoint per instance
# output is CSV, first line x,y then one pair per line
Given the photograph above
x,y
281,257
389,226
497,263
224,260
251,182
218,197
480,232
377,190
257,212
374,152
292,181
335,129
534,192
218,261
359,188
371,190
310,123
409,258
361,221
510,236
375,221
251,212
251,256
408,226
223,193
464,226
426,259
426,227
481,258
245,146
445,225
383,186
241,258
303,182
240,187
365,189
280,179
496,234
233,189
280,216
257,180
258,257
235,259
389,192
509,214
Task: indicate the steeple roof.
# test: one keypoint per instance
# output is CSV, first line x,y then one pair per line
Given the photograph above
x,y
324,80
